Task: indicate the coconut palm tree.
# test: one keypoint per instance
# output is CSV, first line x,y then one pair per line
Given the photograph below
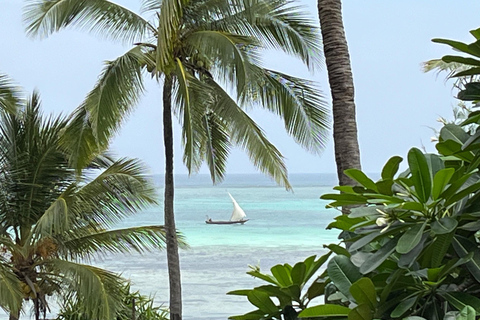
x,y
53,218
207,54
335,48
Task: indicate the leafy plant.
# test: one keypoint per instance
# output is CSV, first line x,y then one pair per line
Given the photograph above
x,y
286,286
134,307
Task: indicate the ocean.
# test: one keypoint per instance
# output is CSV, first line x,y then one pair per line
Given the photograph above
x,y
284,227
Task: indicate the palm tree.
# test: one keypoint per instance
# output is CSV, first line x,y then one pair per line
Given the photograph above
x,y
335,48
53,218
198,49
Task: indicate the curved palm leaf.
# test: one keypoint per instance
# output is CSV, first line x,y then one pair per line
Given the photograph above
x,y
216,145
97,16
117,192
297,101
10,292
245,133
99,290
9,95
85,242
225,49
115,94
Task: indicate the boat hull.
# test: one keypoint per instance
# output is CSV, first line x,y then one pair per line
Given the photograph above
x,y
225,222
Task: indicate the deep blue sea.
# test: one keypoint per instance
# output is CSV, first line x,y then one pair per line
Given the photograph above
x,y
284,227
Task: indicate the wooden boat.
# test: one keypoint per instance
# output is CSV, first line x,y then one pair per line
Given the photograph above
x,y
238,215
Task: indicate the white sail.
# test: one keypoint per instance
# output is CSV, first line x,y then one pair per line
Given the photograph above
x,y
238,213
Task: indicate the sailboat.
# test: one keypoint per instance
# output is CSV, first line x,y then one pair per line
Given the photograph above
x,y
238,215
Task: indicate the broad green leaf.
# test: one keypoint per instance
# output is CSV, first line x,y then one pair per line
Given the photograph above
x,y
391,168
444,225
361,178
363,291
408,259
262,301
243,292
413,206
441,179
364,211
471,226
410,238
378,257
361,312
467,313
471,92
363,241
282,274
253,315
343,273
462,60
331,310
403,307
337,249
473,117
420,174
385,187
452,264
439,248
298,273
450,147
435,164
460,300
463,47
463,247
315,290
475,33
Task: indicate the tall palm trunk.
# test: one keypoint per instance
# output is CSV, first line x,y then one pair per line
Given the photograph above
x,y
172,243
347,154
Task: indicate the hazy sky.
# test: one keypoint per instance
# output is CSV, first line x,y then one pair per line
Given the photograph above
x,y
388,40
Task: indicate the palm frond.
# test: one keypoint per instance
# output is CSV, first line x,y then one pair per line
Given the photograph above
x,y
9,95
120,191
297,101
217,146
113,98
84,242
78,140
289,28
99,291
245,133
184,106
34,169
55,220
12,296
169,20
227,51
110,20
150,5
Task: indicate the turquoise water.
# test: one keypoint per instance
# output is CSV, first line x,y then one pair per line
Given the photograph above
x,y
284,227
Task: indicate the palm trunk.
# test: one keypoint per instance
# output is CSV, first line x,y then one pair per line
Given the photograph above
x,y
172,243
347,154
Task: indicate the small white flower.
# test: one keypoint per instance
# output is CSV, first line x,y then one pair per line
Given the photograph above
x,y
381,221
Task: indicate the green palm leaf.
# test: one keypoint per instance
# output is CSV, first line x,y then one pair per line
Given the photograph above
x,y
170,16
9,290
296,101
217,146
119,191
102,17
87,241
245,133
115,94
9,95
99,291
225,49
